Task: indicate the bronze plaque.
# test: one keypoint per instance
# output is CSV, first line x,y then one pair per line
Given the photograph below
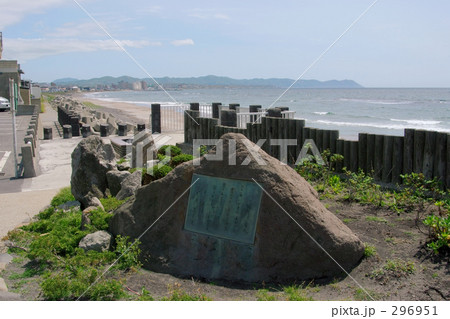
x,y
223,208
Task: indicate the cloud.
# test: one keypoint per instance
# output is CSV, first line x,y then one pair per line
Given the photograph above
x,y
73,30
178,43
29,49
13,12
208,14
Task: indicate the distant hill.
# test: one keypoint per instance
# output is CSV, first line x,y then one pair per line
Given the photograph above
x,y
212,80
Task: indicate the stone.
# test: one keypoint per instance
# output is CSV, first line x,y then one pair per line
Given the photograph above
x,y
91,160
9,296
98,241
6,258
85,217
130,185
278,251
69,205
3,286
124,166
2,266
115,178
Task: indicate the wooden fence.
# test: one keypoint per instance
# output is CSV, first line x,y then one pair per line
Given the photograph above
x,y
386,156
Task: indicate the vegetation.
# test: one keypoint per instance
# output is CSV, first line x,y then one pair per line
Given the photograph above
x,y
63,196
169,150
416,192
91,105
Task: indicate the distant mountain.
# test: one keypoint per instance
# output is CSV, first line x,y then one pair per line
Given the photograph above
x,y
212,80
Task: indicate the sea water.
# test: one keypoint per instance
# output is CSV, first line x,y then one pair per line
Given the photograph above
x,y
351,111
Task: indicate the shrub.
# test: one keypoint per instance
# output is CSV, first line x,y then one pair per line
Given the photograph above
x,y
170,150
159,171
111,203
128,252
63,196
439,232
369,250
177,160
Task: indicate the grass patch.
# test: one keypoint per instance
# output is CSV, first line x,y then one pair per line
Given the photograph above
x,y
376,219
265,295
111,203
63,196
92,105
369,250
297,293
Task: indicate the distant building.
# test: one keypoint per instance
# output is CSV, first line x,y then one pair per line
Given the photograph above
x,y
9,69
137,86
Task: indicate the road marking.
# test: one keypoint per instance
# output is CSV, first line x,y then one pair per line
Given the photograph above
x,y
3,161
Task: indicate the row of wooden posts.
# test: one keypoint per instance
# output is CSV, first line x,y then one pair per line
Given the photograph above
x,y
386,157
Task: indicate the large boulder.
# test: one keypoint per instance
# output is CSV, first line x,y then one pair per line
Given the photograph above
x,y
130,185
220,239
99,241
115,178
91,160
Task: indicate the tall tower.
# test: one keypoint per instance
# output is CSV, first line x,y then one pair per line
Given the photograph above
x,y
1,45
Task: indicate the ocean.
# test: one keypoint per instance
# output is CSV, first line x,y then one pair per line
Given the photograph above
x,y
351,111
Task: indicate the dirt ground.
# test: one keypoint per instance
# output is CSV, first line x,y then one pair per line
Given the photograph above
x,y
401,269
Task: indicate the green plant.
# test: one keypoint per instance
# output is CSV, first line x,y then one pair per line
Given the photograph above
x,y
159,171
99,220
177,160
128,253
369,250
63,196
169,150
439,232
111,203
145,295
297,293
376,219
265,295
91,105
177,294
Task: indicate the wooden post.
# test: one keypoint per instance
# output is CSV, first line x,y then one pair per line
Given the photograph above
x,y
428,154
370,153
362,151
319,139
397,159
334,136
378,157
419,145
408,151
354,156
339,150
292,155
347,156
326,140
388,149
440,157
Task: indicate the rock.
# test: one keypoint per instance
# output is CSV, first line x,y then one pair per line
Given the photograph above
x,y
124,166
2,266
3,286
9,296
92,201
274,248
91,160
115,178
85,217
113,127
6,258
69,205
130,185
98,241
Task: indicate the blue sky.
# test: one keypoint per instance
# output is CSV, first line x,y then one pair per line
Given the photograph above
x,y
398,43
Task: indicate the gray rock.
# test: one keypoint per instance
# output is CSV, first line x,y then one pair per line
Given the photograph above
x,y
9,296
91,160
280,250
69,205
130,185
115,178
6,258
3,286
124,166
98,241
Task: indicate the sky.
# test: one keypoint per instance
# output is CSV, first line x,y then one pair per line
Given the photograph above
x,y
397,43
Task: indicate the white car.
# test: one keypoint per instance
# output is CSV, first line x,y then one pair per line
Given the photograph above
x,y
4,104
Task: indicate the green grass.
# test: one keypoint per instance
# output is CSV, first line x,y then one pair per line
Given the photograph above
x,y
92,105
369,250
296,293
376,219
265,295
63,196
111,203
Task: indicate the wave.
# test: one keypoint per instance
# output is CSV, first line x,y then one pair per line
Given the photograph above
x,y
417,122
379,102
323,113
383,125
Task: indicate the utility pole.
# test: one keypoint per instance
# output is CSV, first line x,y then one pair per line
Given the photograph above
x,y
12,102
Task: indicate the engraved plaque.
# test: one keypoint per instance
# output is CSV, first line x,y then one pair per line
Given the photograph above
x,y
224,208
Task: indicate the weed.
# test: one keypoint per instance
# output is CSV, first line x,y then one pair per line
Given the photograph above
x,y
145,295
348,220
363,295
111,203
128,252
63,196
369,250
396,268
177,294
439,232
376,219
297,293
435,275
265,295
